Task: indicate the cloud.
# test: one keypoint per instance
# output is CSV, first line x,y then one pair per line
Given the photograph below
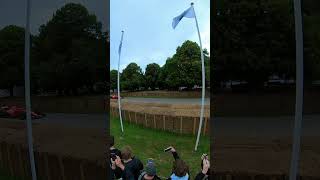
x,y
205,35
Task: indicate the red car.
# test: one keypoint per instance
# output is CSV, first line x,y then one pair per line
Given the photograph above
x,y
115,97
17,112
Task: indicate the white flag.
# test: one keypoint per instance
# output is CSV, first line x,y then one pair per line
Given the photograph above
x,y
189,13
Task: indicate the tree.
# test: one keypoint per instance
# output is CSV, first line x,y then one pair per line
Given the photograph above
x,y
71,50
113,79
132,77
184,68
152,74
256,40
11,57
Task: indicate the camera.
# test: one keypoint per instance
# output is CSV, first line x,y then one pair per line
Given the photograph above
x,y
113,156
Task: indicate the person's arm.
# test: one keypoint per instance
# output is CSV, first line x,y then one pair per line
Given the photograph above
x,y
174,153
200,176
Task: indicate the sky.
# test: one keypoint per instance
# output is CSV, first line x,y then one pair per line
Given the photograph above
x,y
148,34
14,11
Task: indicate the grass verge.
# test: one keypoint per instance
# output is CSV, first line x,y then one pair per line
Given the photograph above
x,y
150,143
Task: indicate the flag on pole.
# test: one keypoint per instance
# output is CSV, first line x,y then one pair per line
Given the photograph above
x,y
189,13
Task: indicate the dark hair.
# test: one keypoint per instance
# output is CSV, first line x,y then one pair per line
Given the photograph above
x,y
111,141
180,168
126,153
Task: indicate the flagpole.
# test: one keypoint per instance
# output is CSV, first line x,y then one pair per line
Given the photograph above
x,y
119,97
27,91
203,82
299,91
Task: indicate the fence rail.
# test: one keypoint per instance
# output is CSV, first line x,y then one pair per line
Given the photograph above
x,y
14,159
176,124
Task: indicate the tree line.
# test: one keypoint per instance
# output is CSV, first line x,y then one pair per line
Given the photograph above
x,y
69,53
183,69
254,40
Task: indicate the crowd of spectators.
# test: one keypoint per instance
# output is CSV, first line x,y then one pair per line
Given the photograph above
x,y
124,165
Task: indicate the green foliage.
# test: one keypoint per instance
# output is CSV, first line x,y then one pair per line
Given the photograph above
x,y
11,57
184,68
256,39
70,51
132,78
152,75
113,79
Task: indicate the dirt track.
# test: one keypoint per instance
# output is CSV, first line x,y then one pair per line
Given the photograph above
x,y
192,110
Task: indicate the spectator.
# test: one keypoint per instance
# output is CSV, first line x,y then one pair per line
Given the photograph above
x,y
130,167
114,150
115,172
180,170
150,172
205,166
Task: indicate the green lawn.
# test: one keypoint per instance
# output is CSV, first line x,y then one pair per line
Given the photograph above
x,y
150,143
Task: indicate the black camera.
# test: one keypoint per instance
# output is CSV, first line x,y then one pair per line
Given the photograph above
x,y
113,156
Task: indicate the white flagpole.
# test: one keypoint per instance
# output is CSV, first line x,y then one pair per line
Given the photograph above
x,y
203,82
119,97
27,91
299,91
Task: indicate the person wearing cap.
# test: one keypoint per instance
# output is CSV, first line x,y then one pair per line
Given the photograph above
x,y
150,172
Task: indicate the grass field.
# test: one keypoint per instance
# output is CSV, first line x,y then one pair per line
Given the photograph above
x,y
150,143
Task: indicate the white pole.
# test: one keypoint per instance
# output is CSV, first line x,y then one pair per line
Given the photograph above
x,y
299,91
203,83
119,97
27,91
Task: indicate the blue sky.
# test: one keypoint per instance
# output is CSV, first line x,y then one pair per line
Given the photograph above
x,y
149,37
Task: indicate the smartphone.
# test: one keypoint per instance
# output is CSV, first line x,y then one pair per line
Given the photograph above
x,y
167,149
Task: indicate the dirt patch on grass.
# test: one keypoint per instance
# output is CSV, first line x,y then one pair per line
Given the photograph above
x,y
189,110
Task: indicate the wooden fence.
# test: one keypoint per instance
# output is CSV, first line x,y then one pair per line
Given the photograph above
x,y
167,94
177,124
14,159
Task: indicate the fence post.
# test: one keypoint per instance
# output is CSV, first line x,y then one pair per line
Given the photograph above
x,y
145,119
20,158
164,122
135,117
154,121
181,125
82,171
9,159
205,126
129,116
194,125
61,167
46,161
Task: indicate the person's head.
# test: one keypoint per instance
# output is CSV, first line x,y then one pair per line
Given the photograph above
x,y
111,143
126,153
180,168
150,170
